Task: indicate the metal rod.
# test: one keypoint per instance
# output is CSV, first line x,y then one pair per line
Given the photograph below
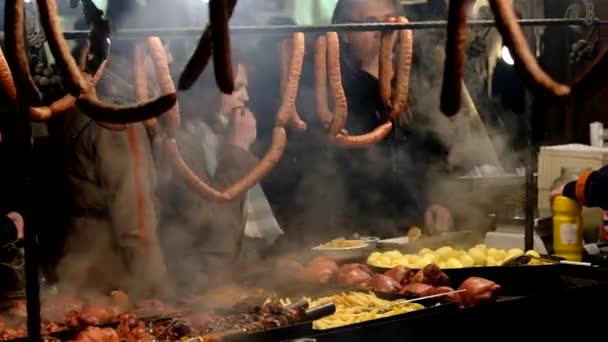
x,y
530,202
285,29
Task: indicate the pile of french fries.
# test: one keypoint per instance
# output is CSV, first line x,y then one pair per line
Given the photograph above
x,y
356,307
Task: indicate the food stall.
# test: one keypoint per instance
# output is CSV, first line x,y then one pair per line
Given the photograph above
x,y
354,289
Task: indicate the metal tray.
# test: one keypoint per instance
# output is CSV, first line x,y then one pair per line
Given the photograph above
x,y
433,310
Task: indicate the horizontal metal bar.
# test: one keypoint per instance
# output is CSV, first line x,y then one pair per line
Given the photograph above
x,y
286,29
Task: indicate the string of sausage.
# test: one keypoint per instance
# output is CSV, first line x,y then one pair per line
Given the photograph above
x,y
397,101
455,51
265,165
292,58
219,10
78,86
525,61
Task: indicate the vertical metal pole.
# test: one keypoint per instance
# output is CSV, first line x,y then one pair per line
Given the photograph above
x,y
23,162
530,185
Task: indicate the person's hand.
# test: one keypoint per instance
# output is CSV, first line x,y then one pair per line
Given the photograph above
x,y
242,129
18,221
559,191
438,220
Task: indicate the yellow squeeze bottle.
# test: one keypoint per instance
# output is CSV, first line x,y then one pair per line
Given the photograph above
x,y
567,229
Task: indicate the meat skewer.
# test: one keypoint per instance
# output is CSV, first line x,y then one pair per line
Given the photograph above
x,y
320,65
525,61
200,58
387,44
291,62
455,50
18,61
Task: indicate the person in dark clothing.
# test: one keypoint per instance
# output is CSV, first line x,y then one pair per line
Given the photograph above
x,y
385,183
590,190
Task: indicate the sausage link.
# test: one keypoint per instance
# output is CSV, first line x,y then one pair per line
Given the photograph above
x,y
46,113
284,57
163,74
75,82
297,61
18,61
404,62
268,162
320,65
123,114
335,83
9,92
140,82
288,106
279,140
185,172
451,91
220,40
387,44
359,141
525,61
200,58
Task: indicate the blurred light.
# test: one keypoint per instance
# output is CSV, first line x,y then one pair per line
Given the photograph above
x,y
205,1
506,56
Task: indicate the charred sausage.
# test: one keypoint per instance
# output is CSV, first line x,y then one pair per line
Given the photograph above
x,y
525,61
219,15
451,91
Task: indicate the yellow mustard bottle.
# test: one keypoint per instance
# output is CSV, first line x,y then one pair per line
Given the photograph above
x,y
567,229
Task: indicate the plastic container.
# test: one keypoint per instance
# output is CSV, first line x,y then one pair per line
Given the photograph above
x,y
592,217
567,229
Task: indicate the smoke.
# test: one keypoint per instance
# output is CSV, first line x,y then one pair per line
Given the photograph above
x,y
309,190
